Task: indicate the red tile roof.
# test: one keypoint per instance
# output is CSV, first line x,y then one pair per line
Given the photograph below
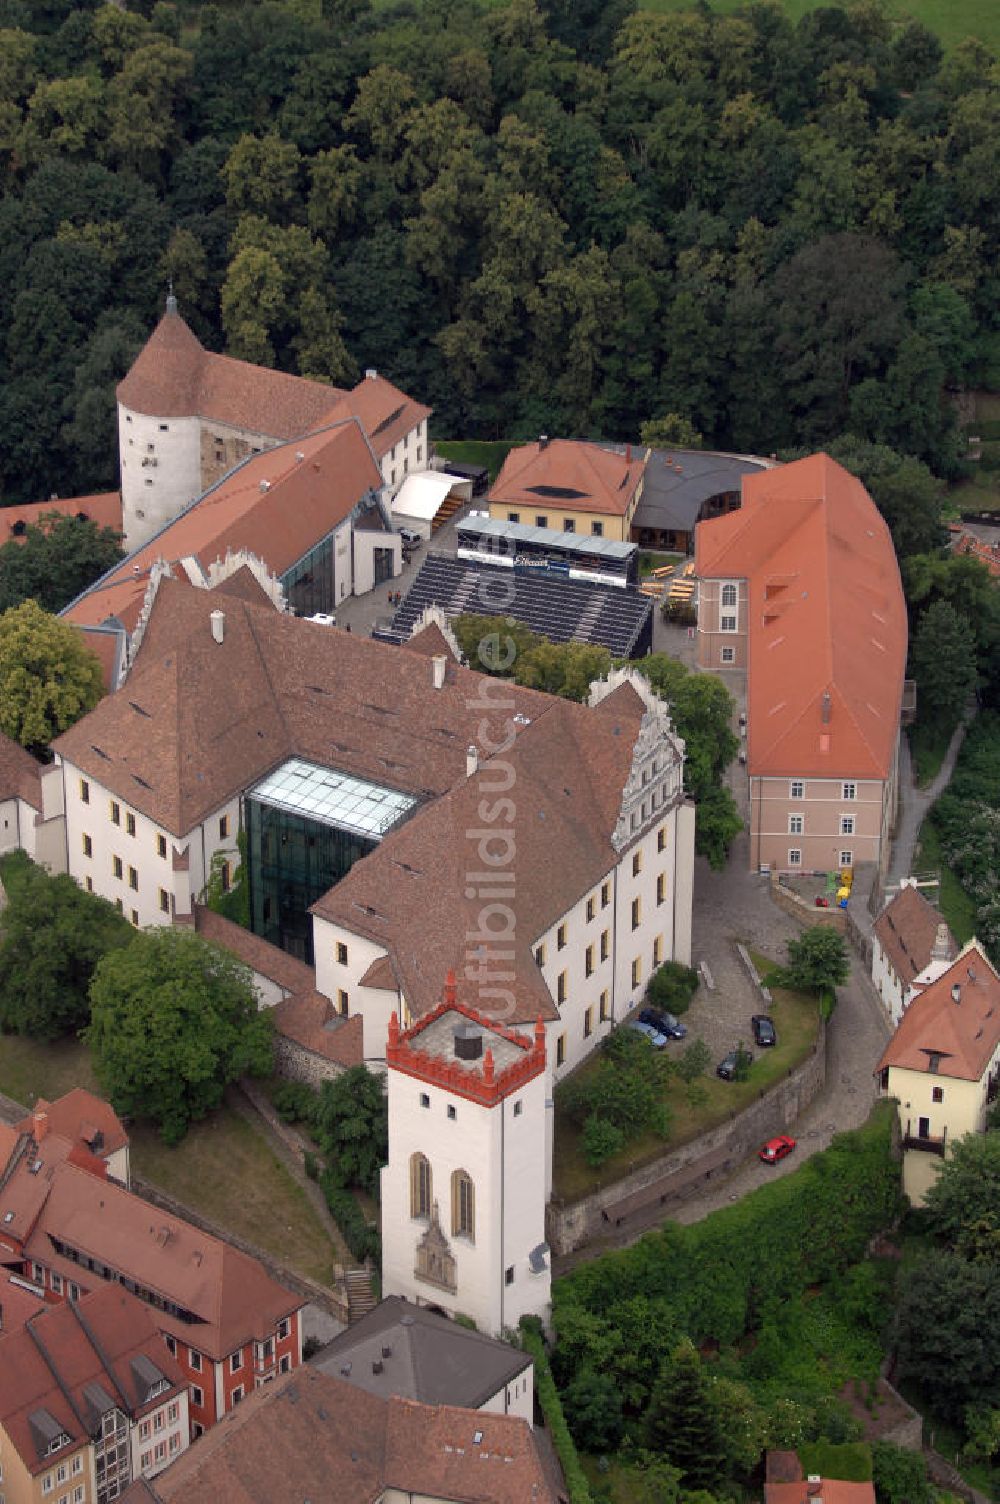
x,y
104,508
907,929
80,1117
826,1491
174,376
976,548
385,413
20,774
290,1440
826,620
50,1364
231,1295
964,1034
308,1019
17,1303
276,505
568,475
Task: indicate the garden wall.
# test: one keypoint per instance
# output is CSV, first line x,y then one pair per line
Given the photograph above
x,y
806,913
680,1173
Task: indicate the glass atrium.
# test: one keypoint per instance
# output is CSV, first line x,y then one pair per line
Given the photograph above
x,y
306,827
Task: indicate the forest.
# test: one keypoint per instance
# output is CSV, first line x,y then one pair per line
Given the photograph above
x,y
559,215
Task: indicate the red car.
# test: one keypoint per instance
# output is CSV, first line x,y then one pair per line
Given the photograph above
x,y
776,1148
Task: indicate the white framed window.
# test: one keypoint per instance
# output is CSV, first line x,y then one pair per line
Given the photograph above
x,y
847,825
794,857
194,1358
729,595
284,1327
727,622
850,791
727,655
796,789
794,825
197,1396
847,858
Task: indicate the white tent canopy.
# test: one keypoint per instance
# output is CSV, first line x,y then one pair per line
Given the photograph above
x,y
421,497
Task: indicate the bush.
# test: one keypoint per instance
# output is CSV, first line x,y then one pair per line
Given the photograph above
x,y
900,1477
601,1140
552,1410
294,1102
695,1061
351,1126
672,986
361,1239
624,1088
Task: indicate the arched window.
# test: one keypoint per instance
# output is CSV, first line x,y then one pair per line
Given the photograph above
x,y
729,595
421,1186
463,1206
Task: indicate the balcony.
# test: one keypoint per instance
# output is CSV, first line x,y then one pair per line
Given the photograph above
x,y
924,1143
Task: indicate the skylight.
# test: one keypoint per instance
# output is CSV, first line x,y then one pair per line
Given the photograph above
x,y
332,798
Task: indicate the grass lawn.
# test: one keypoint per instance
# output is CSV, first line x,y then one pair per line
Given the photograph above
x,y
953,901
648,561
952,20
796,1018
29,1069
476,452
224,1168
928,744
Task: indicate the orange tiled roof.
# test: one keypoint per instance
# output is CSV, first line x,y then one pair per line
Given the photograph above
x,y
976,548
174,376
308,1019
963,1033
385,413
104,508
827,626
906,929
277,505
829,1490
80,1117
568,475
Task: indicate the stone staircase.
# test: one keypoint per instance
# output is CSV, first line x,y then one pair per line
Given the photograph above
x,y
360,1298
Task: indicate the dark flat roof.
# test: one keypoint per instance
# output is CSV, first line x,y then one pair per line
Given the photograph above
x,y
672,498
431,1359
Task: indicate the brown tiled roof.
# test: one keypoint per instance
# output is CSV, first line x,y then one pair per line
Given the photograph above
x,y
826,618
276,505
199,721
174,376
80,1116
431,641
906,929
231,1294
309,1020
75,1346
381,976
267,960
385,413
963,1034
571,766
104,508
20,774
290,1440
108,645
568,475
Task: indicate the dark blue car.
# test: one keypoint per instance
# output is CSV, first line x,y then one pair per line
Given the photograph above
x,y
666,1023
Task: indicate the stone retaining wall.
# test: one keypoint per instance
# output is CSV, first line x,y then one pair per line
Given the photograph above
x,y
683,1172
806,913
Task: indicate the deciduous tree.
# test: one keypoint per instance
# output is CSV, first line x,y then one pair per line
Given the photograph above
x,y
49,678
173,1020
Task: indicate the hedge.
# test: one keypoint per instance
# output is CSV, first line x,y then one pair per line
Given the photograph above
x,y
552,1410
363,1241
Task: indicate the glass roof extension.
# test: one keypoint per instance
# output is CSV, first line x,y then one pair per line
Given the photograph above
x,y
332,798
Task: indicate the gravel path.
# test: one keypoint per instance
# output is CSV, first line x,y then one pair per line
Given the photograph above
x,y
914,803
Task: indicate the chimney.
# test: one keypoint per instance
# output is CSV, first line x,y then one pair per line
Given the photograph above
x,y
942,946
468,1042
41,1126
543,440
956,993
265,485
299,456
218,620
827,705
371,373
439,664
471,761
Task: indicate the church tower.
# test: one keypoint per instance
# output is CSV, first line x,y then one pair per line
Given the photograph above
x,y
463,1193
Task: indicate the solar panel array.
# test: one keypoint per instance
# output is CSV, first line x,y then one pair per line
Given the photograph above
x,y
562,610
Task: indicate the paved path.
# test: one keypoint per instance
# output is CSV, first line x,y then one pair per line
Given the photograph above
x,y
914,802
